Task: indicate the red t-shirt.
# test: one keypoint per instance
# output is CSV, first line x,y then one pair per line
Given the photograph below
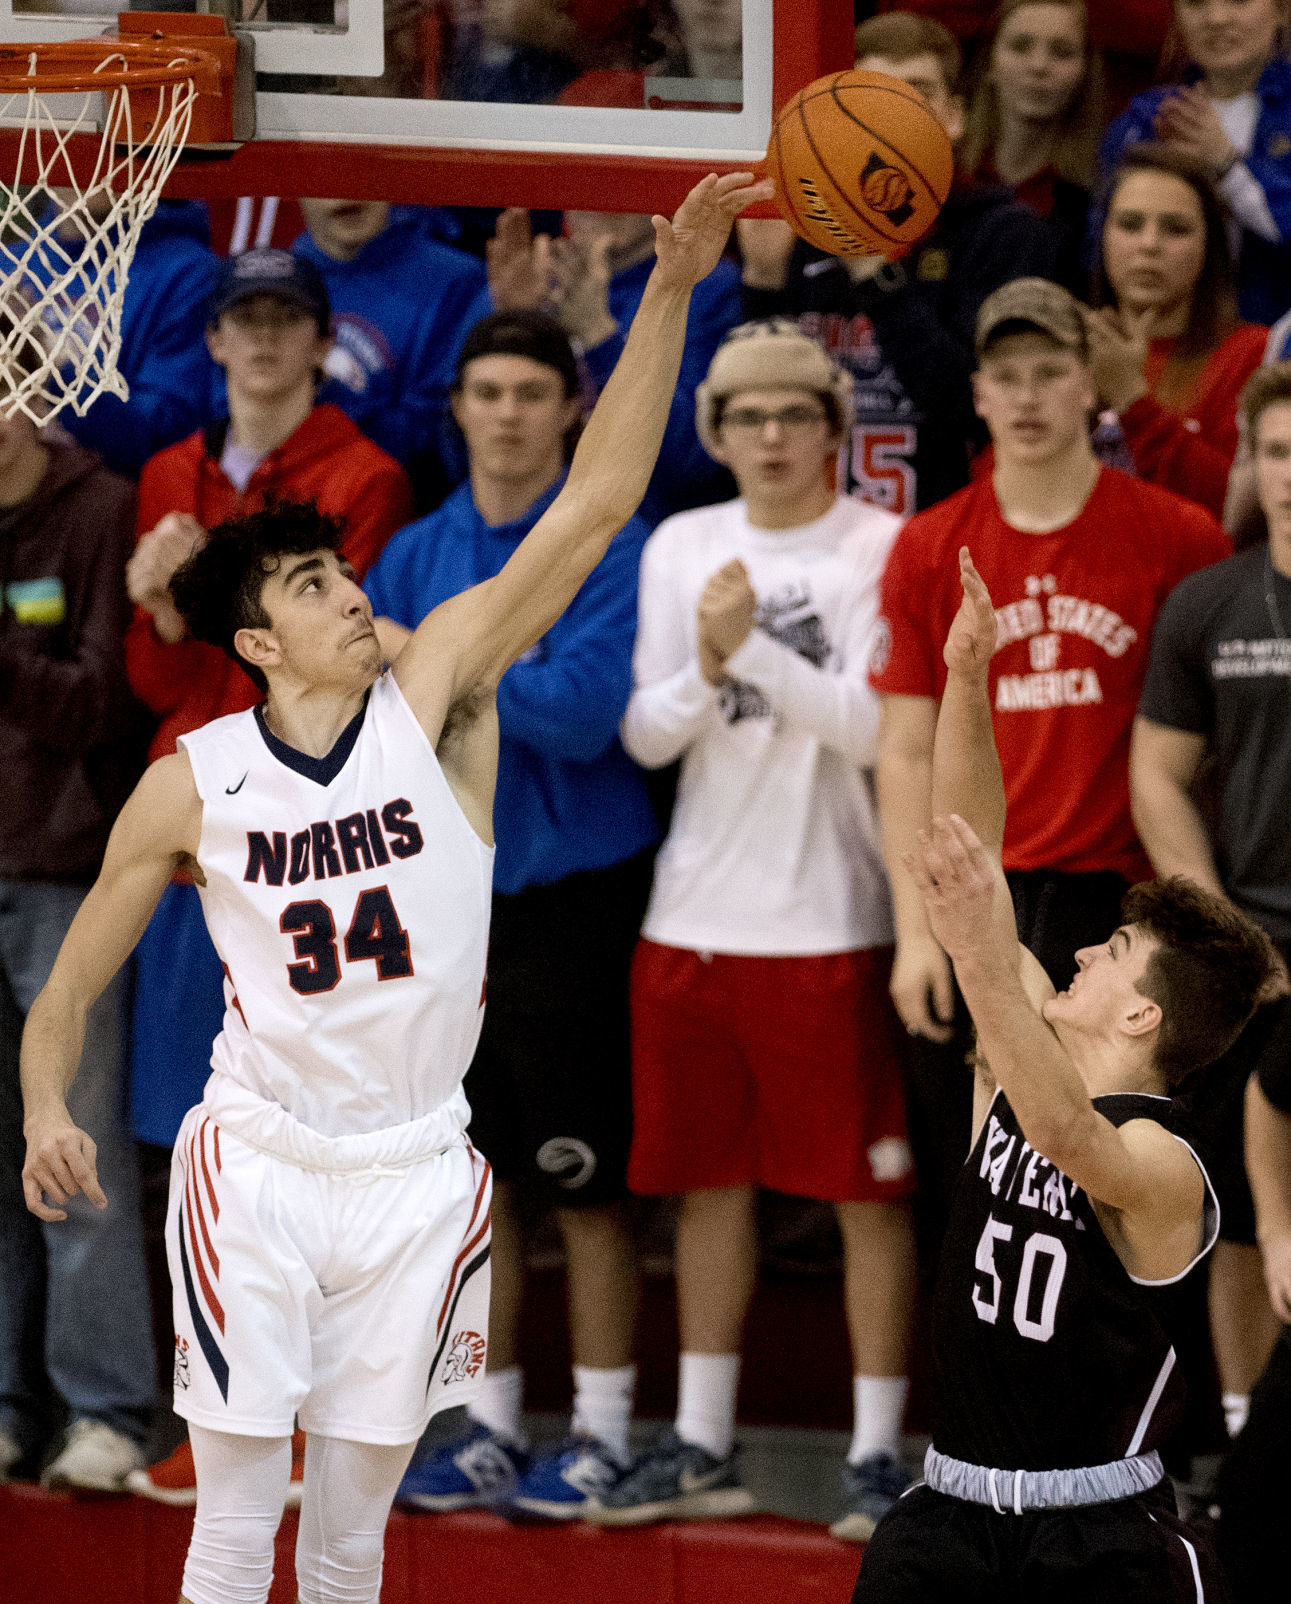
x,y
1076,609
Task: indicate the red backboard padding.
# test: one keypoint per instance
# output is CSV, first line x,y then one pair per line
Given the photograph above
x,y
64,1550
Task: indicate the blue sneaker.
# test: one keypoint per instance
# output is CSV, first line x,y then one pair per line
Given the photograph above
x,y
468,1472
871,1489
674,1480
558,1484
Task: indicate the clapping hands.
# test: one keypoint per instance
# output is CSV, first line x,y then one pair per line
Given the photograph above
x,y
565,279
1119,341
727,607
1189,123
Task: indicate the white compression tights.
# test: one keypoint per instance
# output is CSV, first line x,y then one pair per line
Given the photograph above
x,y
241,1485
349,1487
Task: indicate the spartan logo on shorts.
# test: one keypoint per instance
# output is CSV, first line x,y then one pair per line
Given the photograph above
x,y
465,1357
182,1377
886,189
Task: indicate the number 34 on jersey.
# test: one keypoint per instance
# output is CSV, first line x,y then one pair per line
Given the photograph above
x,y
325,851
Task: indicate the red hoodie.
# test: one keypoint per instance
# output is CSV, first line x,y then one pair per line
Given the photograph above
x,y
326,460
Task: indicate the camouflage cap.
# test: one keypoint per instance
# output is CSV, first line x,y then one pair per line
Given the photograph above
x,y
1039,304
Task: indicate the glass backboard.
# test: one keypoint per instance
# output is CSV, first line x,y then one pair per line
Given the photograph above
x,y
527,102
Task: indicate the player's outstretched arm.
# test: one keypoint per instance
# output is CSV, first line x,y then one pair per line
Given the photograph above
x,y
968,783
966,774
1138,1169
159,826
484,630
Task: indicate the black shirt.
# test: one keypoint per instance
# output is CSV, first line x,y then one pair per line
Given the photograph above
x,y
907,339
1048,1354
1220,666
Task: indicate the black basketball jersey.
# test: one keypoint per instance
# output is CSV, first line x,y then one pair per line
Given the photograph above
x,y
1049,1354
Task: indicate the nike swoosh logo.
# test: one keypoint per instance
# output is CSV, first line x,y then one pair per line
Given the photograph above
x,y
816,268
232,790
691,1481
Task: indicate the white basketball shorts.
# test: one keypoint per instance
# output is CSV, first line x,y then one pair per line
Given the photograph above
x,y
353,1302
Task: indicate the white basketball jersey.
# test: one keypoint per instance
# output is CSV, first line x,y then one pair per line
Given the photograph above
x,y
351,913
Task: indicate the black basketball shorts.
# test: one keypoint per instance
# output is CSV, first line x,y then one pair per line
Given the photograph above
x,y
549,1086
930,1547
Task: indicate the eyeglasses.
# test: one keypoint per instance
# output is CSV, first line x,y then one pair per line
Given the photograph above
x,y
753,420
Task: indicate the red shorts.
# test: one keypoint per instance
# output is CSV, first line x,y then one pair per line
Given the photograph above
x,y
779,1072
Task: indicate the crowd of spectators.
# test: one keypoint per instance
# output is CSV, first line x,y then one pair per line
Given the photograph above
x,y
1079,373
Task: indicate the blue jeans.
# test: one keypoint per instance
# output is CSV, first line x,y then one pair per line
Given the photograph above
x,y
74,1304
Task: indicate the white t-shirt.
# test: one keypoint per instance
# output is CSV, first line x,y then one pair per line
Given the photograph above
x,y
1239,185
239,463
773,848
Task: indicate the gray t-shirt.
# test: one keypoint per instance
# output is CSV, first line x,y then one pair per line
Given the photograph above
x,y
1220,666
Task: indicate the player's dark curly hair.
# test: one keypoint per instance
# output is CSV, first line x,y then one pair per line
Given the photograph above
x,y
1211,968
218,590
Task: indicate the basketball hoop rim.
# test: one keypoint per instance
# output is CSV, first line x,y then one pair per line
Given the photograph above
x,y
67,66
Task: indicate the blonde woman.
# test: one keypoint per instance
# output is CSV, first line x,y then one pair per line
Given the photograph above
x,y
1035,116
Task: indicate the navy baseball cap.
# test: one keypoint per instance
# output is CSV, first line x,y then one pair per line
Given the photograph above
x,y
271,272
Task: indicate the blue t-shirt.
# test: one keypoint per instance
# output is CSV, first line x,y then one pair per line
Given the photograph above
x,y
400,311
568,796
685,475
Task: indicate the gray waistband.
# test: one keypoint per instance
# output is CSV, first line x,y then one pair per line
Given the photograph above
x,y
1010,1492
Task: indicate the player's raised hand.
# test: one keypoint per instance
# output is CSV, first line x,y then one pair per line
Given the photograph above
x,y
690,246
954,872
971,638
60,1163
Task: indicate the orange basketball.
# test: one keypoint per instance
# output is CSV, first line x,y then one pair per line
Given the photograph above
x,y
861,164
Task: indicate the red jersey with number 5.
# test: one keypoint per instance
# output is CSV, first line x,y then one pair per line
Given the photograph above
x,y
348,898
1075,609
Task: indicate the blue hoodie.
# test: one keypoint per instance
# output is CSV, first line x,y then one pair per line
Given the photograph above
x,y
400,311
163,345
685,475
568,798
1263,266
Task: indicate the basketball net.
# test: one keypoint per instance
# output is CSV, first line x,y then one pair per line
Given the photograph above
x,y
66,245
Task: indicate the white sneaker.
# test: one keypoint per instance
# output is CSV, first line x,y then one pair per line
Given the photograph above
x,y
95,1458
10,1454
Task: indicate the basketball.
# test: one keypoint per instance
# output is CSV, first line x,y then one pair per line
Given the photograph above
x,y
861,164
